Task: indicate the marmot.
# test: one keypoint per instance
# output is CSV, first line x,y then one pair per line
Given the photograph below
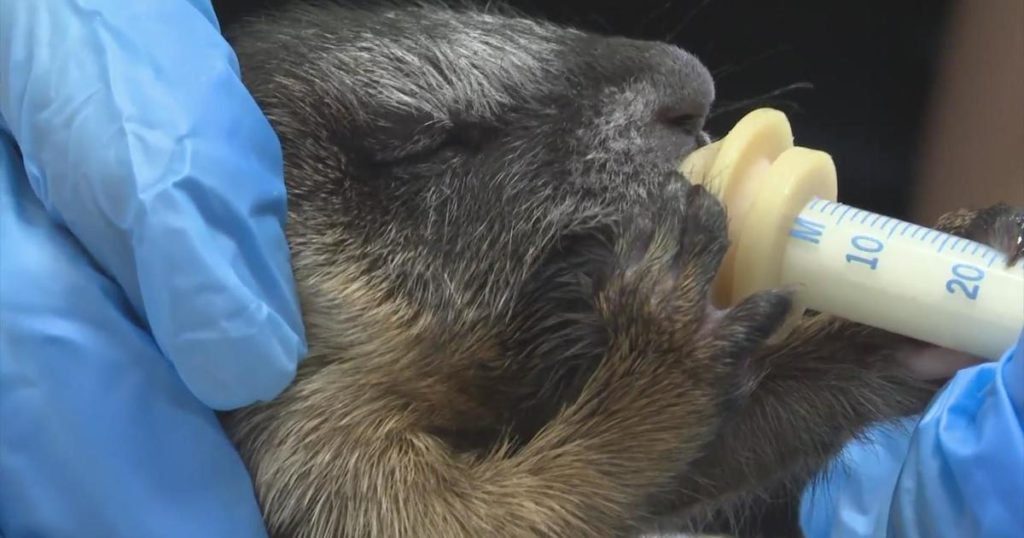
x,y
505,287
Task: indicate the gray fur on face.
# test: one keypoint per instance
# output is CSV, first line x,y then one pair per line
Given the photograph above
x,y
504,283
467,123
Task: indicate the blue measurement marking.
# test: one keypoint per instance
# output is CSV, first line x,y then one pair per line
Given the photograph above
x,y
807,230
825,207
955,243
945,239
992,257
913,235
895,224
834,209
865,243
814,203
877,216
925,236
843,215
976,247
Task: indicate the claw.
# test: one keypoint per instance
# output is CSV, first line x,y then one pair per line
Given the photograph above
x,y
1017,243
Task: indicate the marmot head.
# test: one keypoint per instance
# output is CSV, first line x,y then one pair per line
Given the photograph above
x,y
443,153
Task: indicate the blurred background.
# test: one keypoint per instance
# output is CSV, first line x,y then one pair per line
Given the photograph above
x,y
920,102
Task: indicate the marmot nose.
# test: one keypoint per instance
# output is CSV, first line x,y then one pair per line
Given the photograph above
x,y
661,89
683,87
683,94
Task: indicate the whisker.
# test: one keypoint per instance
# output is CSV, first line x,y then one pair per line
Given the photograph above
x,y
733,68
764,99
678,29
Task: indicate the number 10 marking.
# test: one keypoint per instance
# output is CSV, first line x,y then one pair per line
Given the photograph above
x,y
866,244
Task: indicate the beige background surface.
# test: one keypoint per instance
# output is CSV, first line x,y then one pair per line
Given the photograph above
x,y
973,153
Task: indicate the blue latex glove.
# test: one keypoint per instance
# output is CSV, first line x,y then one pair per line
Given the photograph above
x,y
957,472
144,272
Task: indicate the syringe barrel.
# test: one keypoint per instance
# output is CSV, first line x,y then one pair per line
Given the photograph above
x,y
904,278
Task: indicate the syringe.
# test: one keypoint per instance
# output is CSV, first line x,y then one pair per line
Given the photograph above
x,y
787,230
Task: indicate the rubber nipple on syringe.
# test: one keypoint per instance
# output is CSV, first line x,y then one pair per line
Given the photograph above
x,y
764,181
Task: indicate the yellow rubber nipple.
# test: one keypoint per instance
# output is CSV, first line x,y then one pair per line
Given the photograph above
x,y
764,181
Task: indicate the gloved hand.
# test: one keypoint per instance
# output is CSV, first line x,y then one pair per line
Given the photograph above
x,y
955,472
144,273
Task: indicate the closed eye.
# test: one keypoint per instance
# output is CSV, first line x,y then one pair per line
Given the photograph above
x,y
687,122
395,142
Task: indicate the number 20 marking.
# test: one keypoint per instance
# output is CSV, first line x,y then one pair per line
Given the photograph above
x,y
965,273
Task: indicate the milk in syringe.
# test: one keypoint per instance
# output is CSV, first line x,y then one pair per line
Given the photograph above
x,y
787,230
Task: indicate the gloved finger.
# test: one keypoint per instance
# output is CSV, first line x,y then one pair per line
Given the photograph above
x,y
966,453
137,133
852,498
98,434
